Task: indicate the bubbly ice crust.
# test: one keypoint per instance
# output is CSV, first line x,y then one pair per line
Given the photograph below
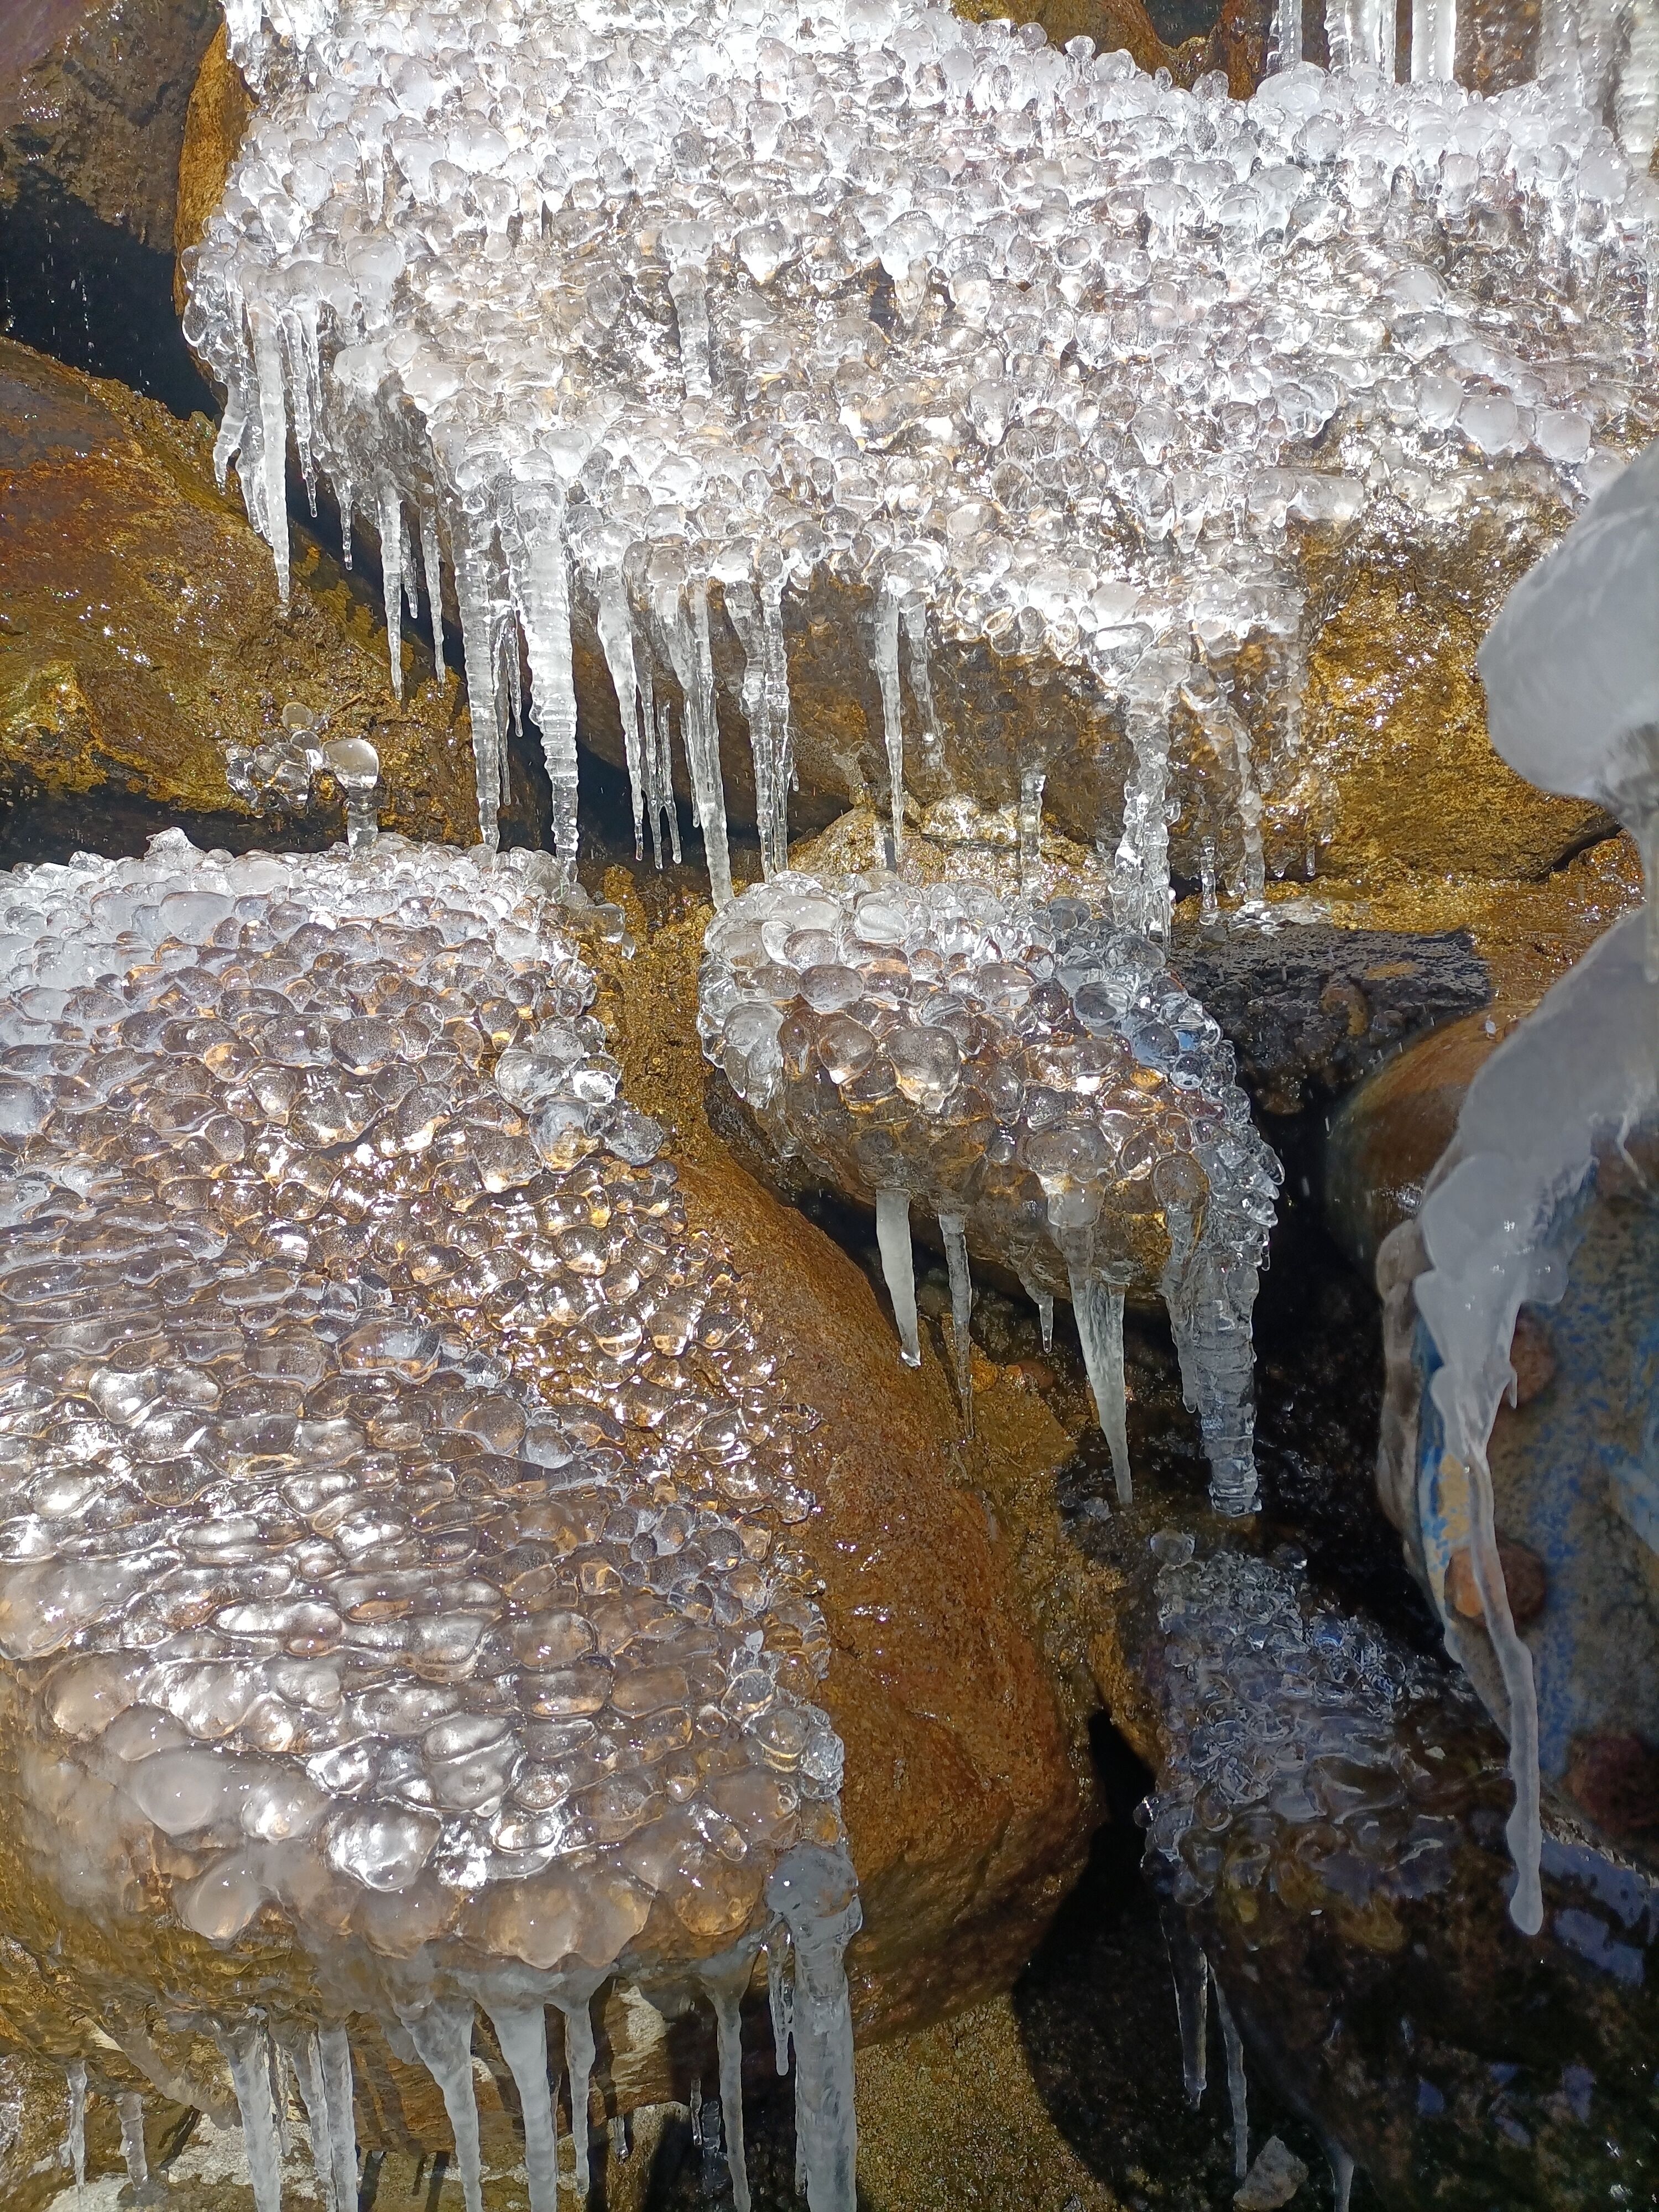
x,y
1036,1080
395,1494
650,317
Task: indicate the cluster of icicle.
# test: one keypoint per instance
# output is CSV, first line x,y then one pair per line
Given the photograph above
x,y
645,321
1571,672
395,1501
1035,1080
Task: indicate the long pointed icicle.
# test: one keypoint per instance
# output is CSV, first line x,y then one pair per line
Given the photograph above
x,y
1238,2093
541,589
521,2031
616,630
130,2105
77,2120
1192,1991
1099,1309
334,2059
579,2051
913,615
780,1993
1342,2169
816,1892
723,1995
473,589
898,1266
273,429
887,676
443,2036
775,660
306,2062
248,2057
391,580
953,1228
432,570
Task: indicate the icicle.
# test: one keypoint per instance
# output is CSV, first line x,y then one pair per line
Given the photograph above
x,y
915,614
1434,41
953,1227
1239,2095
442,2034
391,580
1140,866
281,2074
685,626
1098,1307
304,393
1341,2177
898,1265
887,676
578,2048
1285,50
724,1980
742,611
779,1991
273,437
1191,1982
334,2062
432,570
131,2106
615,629
666,806
231,424
343,499
779,712
1209,910
521,2031
483,706
77,2120
1030,830
1044,1302
1515,1664
816,1892
540,571
314,2095
247,2056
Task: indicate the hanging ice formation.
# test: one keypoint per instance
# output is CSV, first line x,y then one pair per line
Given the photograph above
x,y
326,1621
1572,672
671,331
1038,1082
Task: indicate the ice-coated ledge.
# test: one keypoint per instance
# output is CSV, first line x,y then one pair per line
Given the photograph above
x,y
691,344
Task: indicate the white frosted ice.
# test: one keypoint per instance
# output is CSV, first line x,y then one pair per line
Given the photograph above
x,y
860,314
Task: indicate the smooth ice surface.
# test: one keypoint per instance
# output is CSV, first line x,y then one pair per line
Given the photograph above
x,y
707,307
1571,667
1028,1072
396,1546
1580,1073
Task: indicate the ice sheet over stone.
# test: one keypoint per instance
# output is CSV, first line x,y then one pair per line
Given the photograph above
x,y
394,1500
727,304
1026,1071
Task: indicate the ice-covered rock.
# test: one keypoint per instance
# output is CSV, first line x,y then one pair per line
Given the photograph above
x,y
698,348
321,1621
1038,1082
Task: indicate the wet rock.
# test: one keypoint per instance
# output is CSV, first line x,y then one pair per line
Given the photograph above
x,y
1312,1008
1330,1807
92,102
1384,1141
141,633
1274,2178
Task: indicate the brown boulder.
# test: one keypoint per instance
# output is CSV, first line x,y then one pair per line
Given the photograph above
x,y
142,630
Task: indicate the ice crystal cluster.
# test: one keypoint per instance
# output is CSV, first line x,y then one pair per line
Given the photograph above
x,y
1297,1736
397,1536
1038,1082
667,332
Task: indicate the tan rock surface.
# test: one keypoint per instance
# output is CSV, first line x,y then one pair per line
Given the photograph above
x,y
142,630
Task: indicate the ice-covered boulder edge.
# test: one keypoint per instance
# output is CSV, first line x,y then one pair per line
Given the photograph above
x,y
631,407
1497,1227
1035,1079
114,971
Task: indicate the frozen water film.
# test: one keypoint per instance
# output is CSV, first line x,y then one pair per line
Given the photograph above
x,y
395,1554
1034,1080
676,338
